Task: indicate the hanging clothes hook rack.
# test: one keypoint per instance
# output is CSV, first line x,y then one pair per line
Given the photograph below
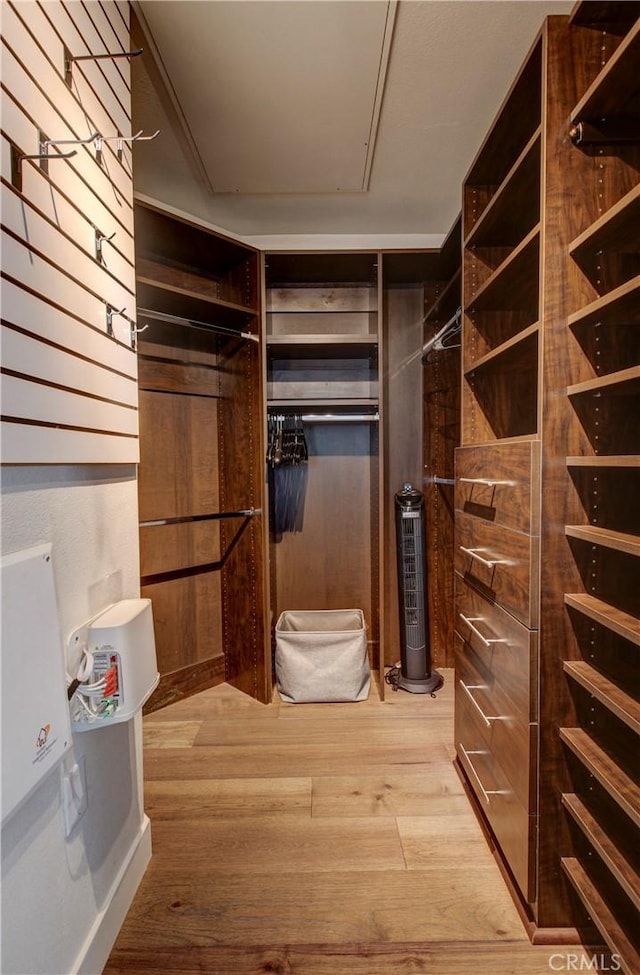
x,y
194,323
449,330
120,141
100,240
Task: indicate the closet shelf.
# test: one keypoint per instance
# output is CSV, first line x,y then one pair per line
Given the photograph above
x,y
597,908
449,298
189,304
625,707
515,205
512,344
514,283
616,229
604,460
620,541
620,786
622,305
613,619
601,843
320,340
615,85
328,402
625,382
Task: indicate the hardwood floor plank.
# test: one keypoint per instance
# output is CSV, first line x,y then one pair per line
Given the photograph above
x,y
170,734
376,730
328,959
425,794
432,839
317,840
226,798
286,760
269,844
364,907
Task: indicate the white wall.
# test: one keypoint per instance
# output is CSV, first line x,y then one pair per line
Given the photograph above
x,y
56,891
64,898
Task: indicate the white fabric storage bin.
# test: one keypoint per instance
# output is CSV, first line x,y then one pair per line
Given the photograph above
x,y
321,655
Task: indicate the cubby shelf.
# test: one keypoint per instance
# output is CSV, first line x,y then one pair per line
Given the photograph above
x,y
620,786
618,227
611,856
613,619
625,382
601,914
616,84
506,347
515,204
625,707
620,305
514,283
619,541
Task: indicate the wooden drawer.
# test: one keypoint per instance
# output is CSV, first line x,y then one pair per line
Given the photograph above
x,y
514,829
512,740
501,563
506,650
500,483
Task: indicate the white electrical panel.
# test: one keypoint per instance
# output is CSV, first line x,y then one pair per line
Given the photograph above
x,y
36,729
122,652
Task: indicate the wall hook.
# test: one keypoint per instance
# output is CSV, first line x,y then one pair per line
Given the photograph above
x,y
70,58
135,331
18,157
121,139
68,142
100,240
111,314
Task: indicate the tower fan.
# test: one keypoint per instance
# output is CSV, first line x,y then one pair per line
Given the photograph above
x,y
415,673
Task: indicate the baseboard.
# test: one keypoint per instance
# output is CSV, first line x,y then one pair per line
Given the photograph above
x,y
95,952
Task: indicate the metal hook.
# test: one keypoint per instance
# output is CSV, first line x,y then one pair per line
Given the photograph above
x,y
111,314
69,142
69,59
134,330
100,240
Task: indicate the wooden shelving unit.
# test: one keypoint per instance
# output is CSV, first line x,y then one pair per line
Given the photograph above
x,y
201,454
322,361
604,261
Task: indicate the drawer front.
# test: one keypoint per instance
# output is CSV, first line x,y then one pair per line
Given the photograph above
x,y
500,484
505,649
512,741
513,828
501,563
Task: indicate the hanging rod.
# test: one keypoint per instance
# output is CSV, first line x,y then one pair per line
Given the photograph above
x,y
436,343
340,417
186,519
161,316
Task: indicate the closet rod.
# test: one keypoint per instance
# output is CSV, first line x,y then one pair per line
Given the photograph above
x,y
340,417
186,519
161,316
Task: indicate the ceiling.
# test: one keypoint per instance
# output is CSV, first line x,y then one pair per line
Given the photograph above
x,y
293,120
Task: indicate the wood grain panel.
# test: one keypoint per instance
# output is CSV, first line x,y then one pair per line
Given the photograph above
x,y
511,580
509,739
511,498
187,620
205,799
509,657
179,456
180,684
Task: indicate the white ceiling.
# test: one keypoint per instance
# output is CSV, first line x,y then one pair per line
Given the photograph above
x,y
323,117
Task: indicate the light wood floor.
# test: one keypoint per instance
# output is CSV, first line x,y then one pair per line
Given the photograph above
x,y
318,839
